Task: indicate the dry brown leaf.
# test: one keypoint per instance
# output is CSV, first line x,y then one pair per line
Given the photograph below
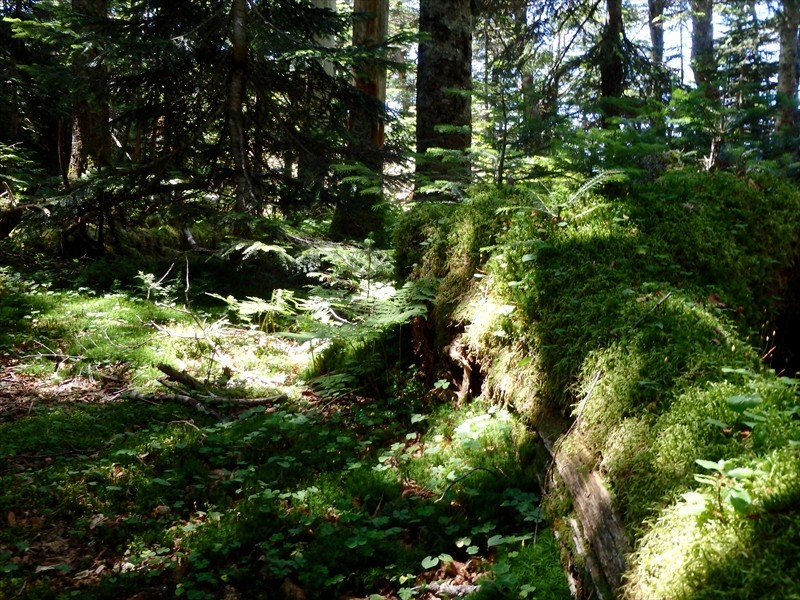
x,y
292,591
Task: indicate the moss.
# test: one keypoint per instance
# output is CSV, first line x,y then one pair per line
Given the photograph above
x,y
640,314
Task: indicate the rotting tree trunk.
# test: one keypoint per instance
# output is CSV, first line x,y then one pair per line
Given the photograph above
x,y
788,22
598,535
444,82
91,135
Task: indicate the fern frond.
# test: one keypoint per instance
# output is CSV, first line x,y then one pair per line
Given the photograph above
x,y
599,179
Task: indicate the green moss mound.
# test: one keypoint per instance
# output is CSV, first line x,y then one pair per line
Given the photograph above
x,y
641,316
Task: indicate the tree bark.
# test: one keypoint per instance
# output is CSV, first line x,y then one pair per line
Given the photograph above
x,y
655,11
355,216
312,169
444,83
612,64
370,77
91,135
237,88
704,64
788,21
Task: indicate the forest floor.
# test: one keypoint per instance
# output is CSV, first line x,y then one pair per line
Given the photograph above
x,y
115,486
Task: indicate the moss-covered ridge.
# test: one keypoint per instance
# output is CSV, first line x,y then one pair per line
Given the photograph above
x,y
638,317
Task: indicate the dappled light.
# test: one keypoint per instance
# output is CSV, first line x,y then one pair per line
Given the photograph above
x,y
403,300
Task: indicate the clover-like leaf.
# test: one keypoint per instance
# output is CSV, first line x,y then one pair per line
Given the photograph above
x,y
743,402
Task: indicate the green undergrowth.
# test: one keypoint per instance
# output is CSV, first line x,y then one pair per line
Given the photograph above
x,y
356,497
640,315
57,334
366,485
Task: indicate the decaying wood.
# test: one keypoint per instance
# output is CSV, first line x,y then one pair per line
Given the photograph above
x,y
187,233
452,590
598,533
11,217
203,403
456,351
181,377
178,398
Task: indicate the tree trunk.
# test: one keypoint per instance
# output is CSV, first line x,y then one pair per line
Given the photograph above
x,y
444,82
370,77
788,21
91,135
312,169
237,132
612,64
655,11
355,216
704,64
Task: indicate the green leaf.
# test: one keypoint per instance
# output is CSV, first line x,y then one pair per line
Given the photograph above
x,y
743,402
716,423
740,500
445,558
741,473
707,464
495,540
160,481
429,562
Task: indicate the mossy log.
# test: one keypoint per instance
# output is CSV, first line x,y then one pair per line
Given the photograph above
x,y
599,537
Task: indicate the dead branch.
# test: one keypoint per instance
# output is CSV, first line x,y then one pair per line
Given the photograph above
x,y
245,401
178,398
181,377
187,233
449,589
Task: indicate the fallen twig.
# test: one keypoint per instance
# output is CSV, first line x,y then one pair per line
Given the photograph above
x,y
647,314
464,476
180,399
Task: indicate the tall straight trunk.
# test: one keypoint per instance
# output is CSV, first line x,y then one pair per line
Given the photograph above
x,y
612,64
312,169
655,13
788,22
444,83
356,216
659,71
370,76
704,64
91,135
328,41
237,88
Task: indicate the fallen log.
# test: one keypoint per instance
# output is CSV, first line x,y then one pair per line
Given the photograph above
x,y
178,398
598,533
203,403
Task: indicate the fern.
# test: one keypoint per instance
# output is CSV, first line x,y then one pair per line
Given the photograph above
x,y
282,303
250,249
555,211
599,179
